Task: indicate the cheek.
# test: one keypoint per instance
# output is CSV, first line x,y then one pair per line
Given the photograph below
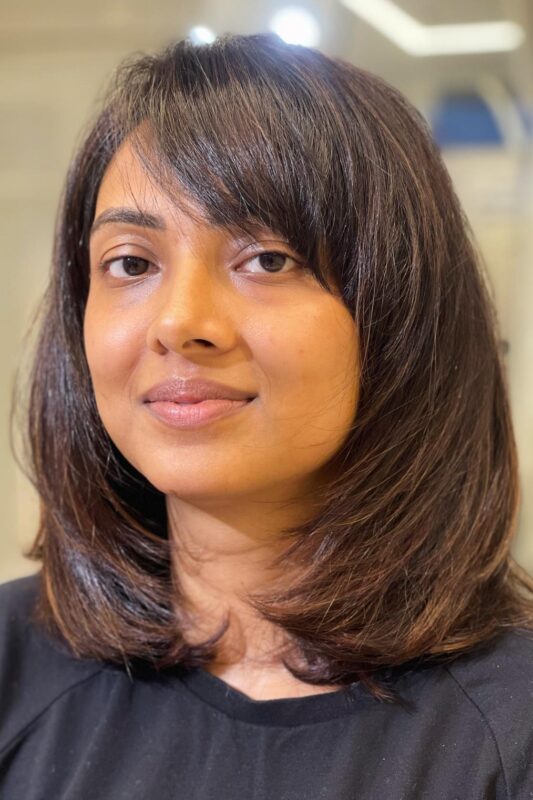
x,y
312,369
111,346
315,355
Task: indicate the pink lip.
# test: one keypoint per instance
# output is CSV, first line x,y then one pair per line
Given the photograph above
x,y
194,415
182,390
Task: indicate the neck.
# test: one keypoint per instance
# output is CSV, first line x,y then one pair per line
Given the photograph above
x,y
217,562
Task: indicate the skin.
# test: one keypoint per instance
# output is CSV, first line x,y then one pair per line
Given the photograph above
x,y
203,305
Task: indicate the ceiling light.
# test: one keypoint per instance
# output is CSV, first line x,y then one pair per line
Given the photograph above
x,y
201,35
296,26
418,39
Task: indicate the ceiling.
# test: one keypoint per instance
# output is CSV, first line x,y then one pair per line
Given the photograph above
x,y
121,26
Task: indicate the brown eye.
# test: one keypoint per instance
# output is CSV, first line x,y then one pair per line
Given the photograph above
x,y
271,261
132,266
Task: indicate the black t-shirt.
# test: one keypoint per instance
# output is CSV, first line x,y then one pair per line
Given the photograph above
x,y
75,729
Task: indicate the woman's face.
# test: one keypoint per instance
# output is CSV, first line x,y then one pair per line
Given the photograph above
x,y
197,302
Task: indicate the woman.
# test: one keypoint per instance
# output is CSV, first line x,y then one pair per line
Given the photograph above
x,y
270,431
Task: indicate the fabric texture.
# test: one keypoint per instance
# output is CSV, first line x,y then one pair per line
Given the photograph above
x,y
75,729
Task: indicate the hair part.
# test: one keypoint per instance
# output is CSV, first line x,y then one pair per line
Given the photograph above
x,y
408,555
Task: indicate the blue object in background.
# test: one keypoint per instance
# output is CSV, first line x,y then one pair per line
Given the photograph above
x,y
464,119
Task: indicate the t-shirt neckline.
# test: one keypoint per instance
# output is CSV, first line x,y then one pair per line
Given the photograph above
x,y
282,711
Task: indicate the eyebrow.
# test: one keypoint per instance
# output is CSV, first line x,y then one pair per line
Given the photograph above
x,y
129,216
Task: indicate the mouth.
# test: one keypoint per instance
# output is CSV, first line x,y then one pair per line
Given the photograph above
x,y
197,414
205,400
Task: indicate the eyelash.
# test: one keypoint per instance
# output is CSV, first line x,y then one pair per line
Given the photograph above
x,y
105,265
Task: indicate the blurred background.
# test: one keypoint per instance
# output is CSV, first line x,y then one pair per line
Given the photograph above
x,y
466,64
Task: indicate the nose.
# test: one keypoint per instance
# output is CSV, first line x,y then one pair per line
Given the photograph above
x,y
190,309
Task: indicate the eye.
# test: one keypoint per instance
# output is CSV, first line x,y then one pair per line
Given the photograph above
x,y
132,266
272,261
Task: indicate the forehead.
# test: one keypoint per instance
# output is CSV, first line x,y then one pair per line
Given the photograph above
x,y
126,182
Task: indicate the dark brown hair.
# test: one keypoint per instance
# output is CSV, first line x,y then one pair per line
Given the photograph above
x,y
408,555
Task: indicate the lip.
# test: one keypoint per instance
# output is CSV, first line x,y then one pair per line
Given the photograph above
x,y
194,415
182,390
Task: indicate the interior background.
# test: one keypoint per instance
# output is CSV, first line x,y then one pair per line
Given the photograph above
x,y
55,60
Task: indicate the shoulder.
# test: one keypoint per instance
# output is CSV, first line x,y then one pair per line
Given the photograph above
x,y
477,708
34,669
17,598
496,683
497,679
